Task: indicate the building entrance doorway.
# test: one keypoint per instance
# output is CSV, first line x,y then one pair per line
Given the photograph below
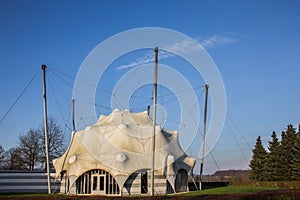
x,y
98,184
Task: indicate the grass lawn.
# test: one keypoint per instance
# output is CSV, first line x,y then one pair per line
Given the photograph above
x,y
228,190
212,191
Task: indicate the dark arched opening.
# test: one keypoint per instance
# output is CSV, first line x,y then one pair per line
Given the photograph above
x,y
181,181
97,182
137,183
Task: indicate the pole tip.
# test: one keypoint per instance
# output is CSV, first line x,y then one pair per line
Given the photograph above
x,y
156,49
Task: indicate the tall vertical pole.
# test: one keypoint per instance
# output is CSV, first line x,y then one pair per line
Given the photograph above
x,y
154,119
46,128
73,115
203,137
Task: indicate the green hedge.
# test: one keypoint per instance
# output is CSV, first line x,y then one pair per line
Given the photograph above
x,y
275,184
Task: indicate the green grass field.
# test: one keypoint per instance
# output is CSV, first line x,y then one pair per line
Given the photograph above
x,y
234,189
220,190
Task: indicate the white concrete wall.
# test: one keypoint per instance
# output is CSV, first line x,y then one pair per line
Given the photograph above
x,y
160,184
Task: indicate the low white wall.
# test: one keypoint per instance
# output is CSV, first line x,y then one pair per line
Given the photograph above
x,y
26,182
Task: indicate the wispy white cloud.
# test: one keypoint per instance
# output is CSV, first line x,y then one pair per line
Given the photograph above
x,y
216,40
139,61
185,47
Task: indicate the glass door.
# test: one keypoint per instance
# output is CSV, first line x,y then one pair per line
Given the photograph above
x,y
98,184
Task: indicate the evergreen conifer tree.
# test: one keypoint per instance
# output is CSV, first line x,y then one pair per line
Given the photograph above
x,y
295,162
258,163
272,163
286,153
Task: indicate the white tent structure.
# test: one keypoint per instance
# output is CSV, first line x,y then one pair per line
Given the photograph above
x,y
113,157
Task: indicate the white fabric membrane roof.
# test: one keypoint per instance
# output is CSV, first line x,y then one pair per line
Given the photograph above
x,y
121,143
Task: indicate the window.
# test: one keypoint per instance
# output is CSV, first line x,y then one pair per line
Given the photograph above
x,y
144,182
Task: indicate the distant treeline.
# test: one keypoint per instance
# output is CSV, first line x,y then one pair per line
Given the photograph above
x,y
228,176
281,160
231,176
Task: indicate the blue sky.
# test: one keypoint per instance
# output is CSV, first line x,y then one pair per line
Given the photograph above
x,y
255,45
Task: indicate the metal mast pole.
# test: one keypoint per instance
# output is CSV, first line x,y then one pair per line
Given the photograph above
x,y
154,119
46,128
73,115
203,136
